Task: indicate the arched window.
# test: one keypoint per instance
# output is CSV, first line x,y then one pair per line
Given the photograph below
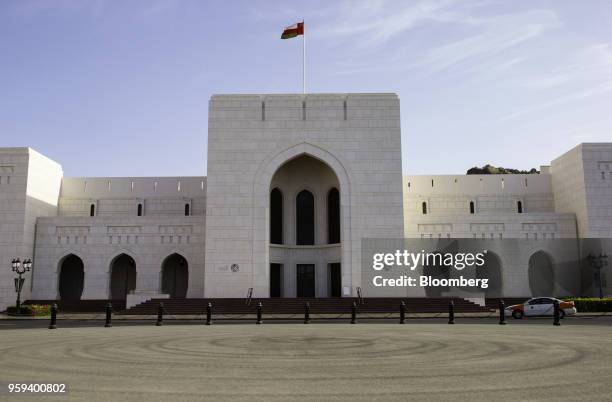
x,y
276,216
424,208
304,213
471,207
187,210
333,216
139,209
92,210
519,207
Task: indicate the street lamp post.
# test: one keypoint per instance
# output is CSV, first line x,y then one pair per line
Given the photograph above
x,y
20,268
597,263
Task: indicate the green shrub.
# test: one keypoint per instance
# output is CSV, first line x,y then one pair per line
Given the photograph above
x,y
30,309
591,304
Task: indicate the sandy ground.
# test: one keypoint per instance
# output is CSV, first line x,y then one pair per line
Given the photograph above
x,y
316,362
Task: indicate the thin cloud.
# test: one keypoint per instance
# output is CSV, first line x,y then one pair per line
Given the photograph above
x,y
376,43
586,74
374,23
158,8
35,8
593,64
497,34
601,89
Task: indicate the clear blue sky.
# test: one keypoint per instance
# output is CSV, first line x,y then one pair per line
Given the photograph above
x,y
121,88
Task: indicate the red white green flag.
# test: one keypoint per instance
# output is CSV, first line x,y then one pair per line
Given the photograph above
x,y
293,31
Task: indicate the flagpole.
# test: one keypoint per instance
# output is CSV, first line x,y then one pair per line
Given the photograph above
x,y
304,59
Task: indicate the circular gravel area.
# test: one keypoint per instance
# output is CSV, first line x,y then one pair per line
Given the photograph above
x,y
315,362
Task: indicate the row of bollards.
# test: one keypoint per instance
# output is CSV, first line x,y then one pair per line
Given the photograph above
x,y
209,312
502,312
307,313
53,323
109,316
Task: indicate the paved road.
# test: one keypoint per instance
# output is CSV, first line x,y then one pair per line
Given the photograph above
x,y
383,361
42,323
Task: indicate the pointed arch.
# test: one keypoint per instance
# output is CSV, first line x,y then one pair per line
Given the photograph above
x,y
71,277
122,276
541,274
175,275
261,202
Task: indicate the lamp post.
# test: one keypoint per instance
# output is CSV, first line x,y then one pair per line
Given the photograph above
x,y
20,268
597,263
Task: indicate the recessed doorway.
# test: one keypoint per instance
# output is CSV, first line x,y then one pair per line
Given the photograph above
x,y
276,280
335,280
305,280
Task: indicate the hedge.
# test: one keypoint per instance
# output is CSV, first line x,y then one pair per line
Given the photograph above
x,y
30,309
591,304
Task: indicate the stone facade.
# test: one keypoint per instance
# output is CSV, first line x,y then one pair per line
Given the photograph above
x,y
252,136
216,229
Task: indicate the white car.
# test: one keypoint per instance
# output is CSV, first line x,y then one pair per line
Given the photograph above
x,y
540,306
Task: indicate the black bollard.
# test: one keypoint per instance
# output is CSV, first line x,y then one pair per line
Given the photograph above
x,y
307,313
403,312
451,312
354,313
557,314
160,315
109,312
53,323
209,314
259,307
502,312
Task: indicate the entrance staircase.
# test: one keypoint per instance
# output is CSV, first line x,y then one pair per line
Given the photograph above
x,y
292,306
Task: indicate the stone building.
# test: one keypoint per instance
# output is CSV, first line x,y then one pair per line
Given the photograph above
x,y
295,183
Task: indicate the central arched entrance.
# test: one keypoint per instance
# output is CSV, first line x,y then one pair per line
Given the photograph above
x,y
305,230
71,278
123,277
175,276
